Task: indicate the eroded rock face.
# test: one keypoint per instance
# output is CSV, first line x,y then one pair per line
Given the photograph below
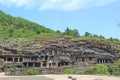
x,y
59,52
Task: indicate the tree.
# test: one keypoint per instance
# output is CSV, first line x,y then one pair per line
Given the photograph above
x,y
76,33
67,31
71,32
95,35
101,36
88,34
59,32
111,39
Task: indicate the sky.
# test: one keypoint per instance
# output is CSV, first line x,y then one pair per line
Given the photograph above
x,y
99,17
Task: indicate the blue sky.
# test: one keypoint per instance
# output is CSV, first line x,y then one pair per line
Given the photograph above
x,y
95,16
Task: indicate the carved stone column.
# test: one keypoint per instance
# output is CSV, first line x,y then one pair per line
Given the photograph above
x,y
13,59
41,64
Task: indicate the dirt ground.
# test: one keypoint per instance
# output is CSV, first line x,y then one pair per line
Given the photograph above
x,y
60,77
82,77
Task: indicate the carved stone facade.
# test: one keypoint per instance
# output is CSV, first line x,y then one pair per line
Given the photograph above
x,y
58,53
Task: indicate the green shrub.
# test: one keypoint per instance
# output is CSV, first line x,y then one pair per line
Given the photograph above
x,y
69,71
100,69
110,69
96,69
116,70
32,71
117,64
116,73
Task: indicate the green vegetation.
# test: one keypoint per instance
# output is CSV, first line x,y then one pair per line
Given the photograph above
x,y
69,71
116,69
32,71
13,70
16,30
103,69
70,32
96,69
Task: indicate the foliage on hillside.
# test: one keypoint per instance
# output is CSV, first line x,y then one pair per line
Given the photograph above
x,y
17,30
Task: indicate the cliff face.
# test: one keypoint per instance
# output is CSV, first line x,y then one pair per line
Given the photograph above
x,y
64,46
72,44
58,52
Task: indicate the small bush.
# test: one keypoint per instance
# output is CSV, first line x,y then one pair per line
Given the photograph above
x,y
69,71
32,71
97,69
100,69
117,64
116,69
110,69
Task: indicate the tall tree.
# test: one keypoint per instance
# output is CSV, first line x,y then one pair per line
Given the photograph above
x,y
71,32
76,33
88,34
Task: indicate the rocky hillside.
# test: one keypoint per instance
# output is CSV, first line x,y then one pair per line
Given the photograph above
x,y
65,45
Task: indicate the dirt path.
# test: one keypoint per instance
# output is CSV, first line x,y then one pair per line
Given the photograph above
x,y
58,77
2,74
82,77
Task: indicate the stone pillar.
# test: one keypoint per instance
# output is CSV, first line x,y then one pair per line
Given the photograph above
x,y
47,64
33,64
27,64
13,59
103,60
80,59
41,64
100,61
107,60
18,59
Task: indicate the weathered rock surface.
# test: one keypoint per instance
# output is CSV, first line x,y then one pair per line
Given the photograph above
x,y
59,52
64,45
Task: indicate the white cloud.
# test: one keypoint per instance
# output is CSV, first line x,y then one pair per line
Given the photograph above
x,y
16,3
56,4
